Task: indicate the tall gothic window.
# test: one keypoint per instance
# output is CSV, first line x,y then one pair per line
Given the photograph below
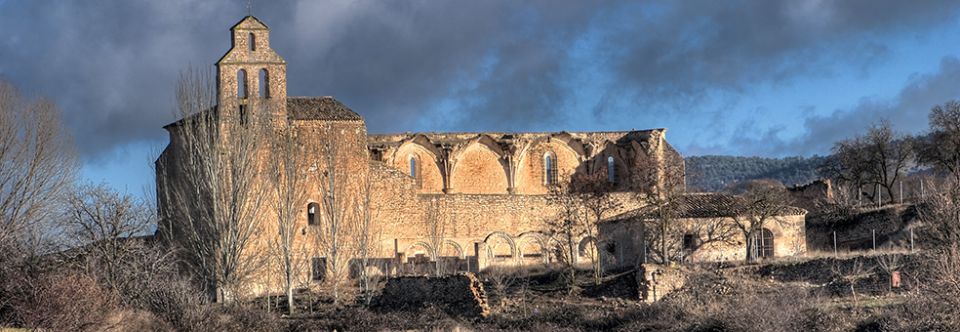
x,y
549,169
415,170
611,170
252,40
264,84
241,83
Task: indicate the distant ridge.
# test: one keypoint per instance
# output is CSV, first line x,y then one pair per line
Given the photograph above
x,y
714,173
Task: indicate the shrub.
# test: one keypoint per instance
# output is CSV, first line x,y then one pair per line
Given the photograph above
x,y
61,302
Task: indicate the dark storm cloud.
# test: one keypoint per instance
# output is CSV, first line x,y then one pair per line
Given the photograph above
x,y
500,65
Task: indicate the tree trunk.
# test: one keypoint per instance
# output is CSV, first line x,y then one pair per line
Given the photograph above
x,y
751,253
290,307
664,256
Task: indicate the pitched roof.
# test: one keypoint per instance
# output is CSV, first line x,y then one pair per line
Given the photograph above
x,y
319,108
251,23
702,205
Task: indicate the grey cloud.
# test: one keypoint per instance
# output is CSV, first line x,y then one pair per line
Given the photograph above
x,y
907,112
697,46
503,65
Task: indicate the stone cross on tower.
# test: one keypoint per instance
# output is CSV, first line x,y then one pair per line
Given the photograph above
x,y
251,77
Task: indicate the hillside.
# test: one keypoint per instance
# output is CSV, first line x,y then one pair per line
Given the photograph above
x,y
713,173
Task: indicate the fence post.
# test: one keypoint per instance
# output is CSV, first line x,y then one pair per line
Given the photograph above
x,y
874,231
835,243
911,238
879,197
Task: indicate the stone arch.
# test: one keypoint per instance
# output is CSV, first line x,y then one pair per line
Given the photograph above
x,y
264,83
478,168
600,163
532,247
571,142
555,250
454,248
430,177
531,164
242,84
499,246
418,249
587,247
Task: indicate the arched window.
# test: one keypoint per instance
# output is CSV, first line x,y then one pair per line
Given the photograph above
x,y
415,170
264,84
313,214
241,83
549,169
763,243
611,170
252,40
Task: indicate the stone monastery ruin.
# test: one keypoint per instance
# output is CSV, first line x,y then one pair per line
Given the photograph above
x,y
489,191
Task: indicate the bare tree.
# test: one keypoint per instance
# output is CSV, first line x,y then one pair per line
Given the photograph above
x,y
37,164
940,214
594,192
436,226
210,187
852,274
941,147
288,171
661,186
761,202
367,239
564,230
104,224
880,157
337,222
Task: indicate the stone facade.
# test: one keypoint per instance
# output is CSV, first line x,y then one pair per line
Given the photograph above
x,y
488,190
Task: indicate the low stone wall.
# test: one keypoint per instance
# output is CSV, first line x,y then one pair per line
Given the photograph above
x,y
655,281
870,273
460,295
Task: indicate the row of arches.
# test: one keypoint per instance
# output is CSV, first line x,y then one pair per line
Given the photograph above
x,y
500,248
480,167
263,84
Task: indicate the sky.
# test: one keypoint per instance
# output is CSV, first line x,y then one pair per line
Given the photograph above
x,y
758,78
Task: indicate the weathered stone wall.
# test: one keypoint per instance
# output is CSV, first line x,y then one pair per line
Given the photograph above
x,y
460,295
656,281
807,196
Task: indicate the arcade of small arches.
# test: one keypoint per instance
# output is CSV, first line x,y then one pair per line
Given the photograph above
x,y
502,249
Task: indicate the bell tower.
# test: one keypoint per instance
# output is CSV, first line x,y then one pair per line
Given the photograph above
x,y
251,77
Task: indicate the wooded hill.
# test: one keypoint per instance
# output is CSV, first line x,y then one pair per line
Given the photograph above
x,y
713,173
